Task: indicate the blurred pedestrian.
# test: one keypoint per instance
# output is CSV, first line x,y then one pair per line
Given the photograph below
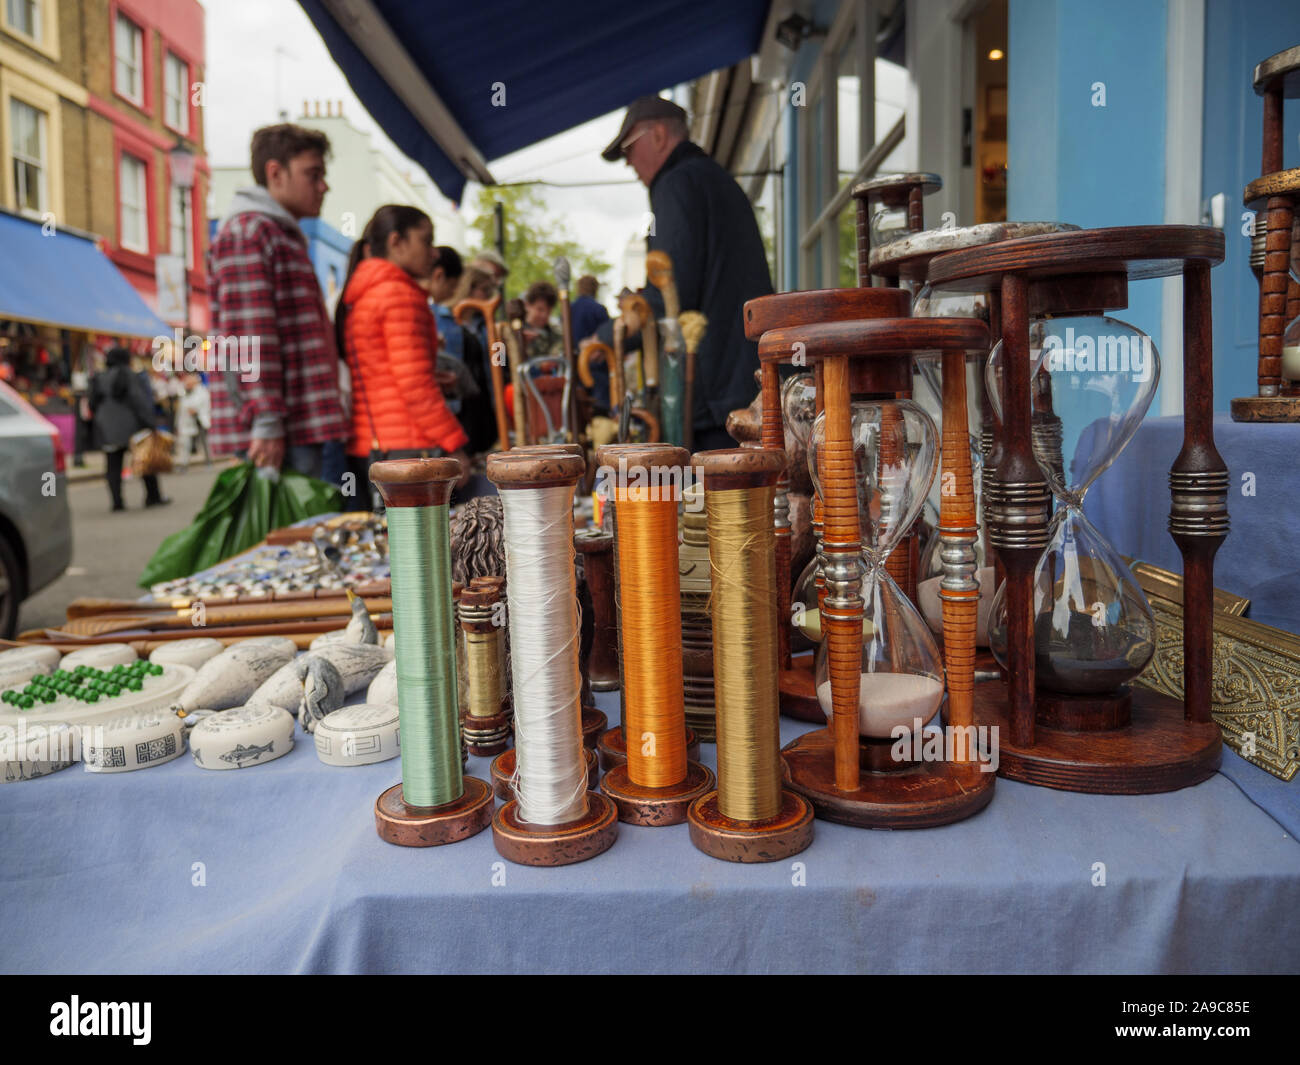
x,y
586,315
121,407
384,325
542,337
284,408
193,419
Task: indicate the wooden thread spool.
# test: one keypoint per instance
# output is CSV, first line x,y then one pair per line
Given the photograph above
x,y
407,484
611,745
485,725
697,627
594,722
593,832
750,818
656,784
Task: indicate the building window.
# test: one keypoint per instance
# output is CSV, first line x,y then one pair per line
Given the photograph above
x,y
133,193
29,162
25,17
176,76
128,75
180,242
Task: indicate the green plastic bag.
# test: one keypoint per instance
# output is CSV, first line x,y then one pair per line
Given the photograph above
x,y
241,509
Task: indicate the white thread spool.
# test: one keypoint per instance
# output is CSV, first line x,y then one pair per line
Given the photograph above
x,y
550,780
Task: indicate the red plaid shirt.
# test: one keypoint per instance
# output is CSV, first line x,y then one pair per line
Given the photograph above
x,y
264,288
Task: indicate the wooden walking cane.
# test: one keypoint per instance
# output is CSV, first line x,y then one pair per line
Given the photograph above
x,y
692,324
562,278
488,309
512,334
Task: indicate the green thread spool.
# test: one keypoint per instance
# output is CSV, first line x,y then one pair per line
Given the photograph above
x,y
435,803
420,558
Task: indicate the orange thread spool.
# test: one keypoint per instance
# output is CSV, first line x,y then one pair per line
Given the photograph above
x,y
655,726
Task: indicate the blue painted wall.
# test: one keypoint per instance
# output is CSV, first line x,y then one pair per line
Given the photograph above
x,y
329,251
1070,158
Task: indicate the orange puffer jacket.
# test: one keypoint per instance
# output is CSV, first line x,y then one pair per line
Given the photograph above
x,y
392,344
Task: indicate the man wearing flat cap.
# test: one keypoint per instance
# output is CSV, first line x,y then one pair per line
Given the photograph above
x,y
705,223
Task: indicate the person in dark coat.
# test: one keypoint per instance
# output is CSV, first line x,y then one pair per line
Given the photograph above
x,y
120,407
705,223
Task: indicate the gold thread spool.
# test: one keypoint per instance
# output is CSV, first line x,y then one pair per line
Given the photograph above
x,y
742,552
652,632
482,653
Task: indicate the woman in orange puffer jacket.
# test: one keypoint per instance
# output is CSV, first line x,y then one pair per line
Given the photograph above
x,y
388,337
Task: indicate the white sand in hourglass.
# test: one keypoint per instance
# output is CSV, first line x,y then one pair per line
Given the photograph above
x,y
886,700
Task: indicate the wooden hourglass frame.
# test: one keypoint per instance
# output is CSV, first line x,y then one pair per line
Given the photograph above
x,y
892,192
1150,742
847,778
1274,195
794,310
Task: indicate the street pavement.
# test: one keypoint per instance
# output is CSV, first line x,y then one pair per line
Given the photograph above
x,y
110,550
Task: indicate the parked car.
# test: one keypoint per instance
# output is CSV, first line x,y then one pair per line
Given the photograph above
x,y
35,520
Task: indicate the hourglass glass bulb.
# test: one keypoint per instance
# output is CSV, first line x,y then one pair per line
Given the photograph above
x,y
799,405
1092,381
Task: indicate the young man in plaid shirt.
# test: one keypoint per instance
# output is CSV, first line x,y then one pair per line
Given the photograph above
x,y
264,290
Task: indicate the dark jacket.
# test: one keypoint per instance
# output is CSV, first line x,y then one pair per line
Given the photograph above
x,y
119,407
703,220
585,317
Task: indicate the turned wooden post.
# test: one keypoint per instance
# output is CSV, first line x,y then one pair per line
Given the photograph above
x,y
1198,484
1020,503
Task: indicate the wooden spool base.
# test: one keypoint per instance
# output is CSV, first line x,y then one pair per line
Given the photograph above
x,y
790,832
656,807
612,749
1157,751
594,723
919,795
432,826
1266,409
496,725
503,768
550,845
798,687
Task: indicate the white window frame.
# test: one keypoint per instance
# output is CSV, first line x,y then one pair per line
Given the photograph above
x,y
136,61
42,163
142,187
179,227
820,204
38,21
45,37
178,93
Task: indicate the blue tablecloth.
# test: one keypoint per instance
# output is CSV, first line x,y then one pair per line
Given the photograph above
x,y
1129,503
277,868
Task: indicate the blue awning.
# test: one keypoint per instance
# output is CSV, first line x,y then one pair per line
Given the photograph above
x,y
433,75
63,280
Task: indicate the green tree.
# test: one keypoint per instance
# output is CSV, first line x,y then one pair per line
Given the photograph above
x,y
533,238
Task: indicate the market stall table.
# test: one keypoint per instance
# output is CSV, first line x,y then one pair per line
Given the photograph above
x,y
278,869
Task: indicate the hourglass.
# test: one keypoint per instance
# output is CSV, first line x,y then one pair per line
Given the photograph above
x,y
890,206
792,311
907,260
880,677
1073,386
1274,196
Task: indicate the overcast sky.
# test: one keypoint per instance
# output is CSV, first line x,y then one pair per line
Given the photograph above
x,y
265,56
